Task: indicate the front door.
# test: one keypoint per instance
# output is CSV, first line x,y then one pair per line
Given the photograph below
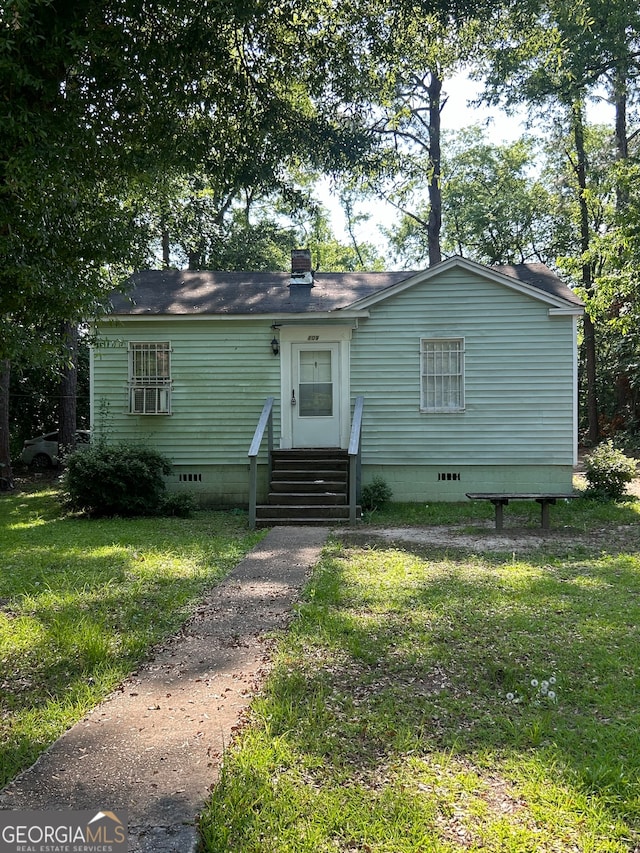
x,y
315,395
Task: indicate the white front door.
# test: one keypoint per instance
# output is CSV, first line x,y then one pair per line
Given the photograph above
x,y
315,394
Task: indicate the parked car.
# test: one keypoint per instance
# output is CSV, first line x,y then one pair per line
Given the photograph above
x,y
44,451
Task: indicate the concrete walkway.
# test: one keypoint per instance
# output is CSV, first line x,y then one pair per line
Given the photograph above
x,y
154,747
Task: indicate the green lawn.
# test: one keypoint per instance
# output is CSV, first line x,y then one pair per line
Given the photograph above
x,y
449,700
402,713
82,602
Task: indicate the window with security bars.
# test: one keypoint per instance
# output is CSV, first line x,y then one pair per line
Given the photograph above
x,y
442,387
150,378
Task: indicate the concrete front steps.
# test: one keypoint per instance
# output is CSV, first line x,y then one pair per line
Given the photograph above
x,y
309,486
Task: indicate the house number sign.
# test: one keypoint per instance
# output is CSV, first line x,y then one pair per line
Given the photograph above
x,y
313,338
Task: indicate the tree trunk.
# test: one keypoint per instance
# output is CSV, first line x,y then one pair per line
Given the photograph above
x,y
622,142
68,391
6,473
347,207
589,331
166,247
195,259
587,274
435,188
624,385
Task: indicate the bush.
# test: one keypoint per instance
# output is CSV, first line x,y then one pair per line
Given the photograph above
x,y
628,442
179,504
115,479
375,494
608,471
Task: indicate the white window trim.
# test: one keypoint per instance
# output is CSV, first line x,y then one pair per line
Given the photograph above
x,y
461,350
149,395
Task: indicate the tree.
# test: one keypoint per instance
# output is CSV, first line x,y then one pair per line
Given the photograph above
x,y
103,97
394,62
404,87
619,30
414,126
6,474
494,210
35,395
60,214
68,391
555,58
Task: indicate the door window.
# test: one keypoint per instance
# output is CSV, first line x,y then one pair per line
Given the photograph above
x,y
316,384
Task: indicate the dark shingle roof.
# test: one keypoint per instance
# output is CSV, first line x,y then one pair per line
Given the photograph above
x,y
208,292
540,276
175,292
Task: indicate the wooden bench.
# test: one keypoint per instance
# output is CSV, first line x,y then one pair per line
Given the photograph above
x,y
501,499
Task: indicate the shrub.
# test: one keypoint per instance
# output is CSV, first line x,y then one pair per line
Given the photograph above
x,y
608,471
115,479
179,504
628,442
375,494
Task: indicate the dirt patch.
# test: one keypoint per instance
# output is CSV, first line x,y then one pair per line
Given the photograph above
x,y
457,536
482,535
515,540
26,480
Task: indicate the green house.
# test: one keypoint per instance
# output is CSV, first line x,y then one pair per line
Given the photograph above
x,y
456,379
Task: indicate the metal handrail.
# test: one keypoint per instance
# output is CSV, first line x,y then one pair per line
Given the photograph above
x,y
355,458
265,422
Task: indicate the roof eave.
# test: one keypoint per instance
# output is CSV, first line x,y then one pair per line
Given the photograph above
x,y
575,311
282,316
477,269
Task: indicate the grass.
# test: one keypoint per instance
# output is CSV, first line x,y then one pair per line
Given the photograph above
x,y
579,514
407,711
400,714
82,603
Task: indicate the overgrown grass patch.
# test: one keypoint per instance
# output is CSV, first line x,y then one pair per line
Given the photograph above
x,y
580,514
430,700
82,602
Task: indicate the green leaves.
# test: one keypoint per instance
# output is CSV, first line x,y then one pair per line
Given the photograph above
x,y
608,472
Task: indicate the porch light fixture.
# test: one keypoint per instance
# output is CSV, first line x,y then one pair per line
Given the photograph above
x,y
275,345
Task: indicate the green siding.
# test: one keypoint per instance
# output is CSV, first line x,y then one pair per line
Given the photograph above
x,y
222,373
518,378
217,485
422,483
516,432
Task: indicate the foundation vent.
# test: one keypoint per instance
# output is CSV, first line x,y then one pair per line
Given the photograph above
x,y
190,478
448,476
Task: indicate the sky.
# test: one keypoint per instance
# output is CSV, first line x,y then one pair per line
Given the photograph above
x,y
456,114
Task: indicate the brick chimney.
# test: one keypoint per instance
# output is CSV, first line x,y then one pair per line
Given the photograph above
x,y
301,272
